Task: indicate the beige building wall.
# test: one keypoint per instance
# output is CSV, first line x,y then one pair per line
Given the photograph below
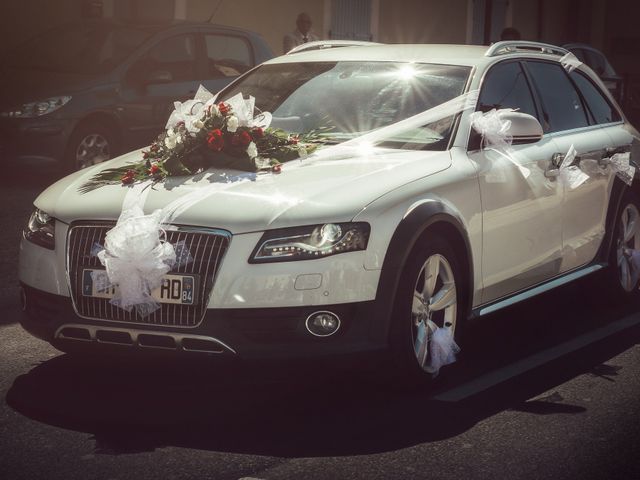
x,y
271,19
423,21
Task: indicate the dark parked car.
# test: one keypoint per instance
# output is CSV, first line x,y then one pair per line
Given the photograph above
x,y
596,60
81,93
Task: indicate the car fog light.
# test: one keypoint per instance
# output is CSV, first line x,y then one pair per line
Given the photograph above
x,y
322,324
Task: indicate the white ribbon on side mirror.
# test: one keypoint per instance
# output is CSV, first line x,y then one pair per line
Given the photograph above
x,y
496,134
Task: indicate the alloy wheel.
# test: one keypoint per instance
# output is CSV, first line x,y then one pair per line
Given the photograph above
x,y
628,247
435,304
92,149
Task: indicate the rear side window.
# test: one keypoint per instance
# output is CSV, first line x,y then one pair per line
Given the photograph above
x,y
227,56
561,104
505,86
602,110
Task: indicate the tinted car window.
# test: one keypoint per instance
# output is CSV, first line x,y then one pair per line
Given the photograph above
x,y
175,55
228,56
601,109
505,86
562,108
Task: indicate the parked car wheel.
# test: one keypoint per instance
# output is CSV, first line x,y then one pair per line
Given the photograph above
x,y
429,296
91,143
624,273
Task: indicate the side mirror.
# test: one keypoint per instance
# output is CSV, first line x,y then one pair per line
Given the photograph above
x,y
159,76
524,127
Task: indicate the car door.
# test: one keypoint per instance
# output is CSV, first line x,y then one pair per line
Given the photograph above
x,y
570,123
165,73
522,236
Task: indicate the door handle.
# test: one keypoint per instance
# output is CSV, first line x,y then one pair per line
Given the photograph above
x,y
609,152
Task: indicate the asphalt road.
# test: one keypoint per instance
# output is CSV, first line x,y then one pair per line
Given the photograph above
x,y
549,389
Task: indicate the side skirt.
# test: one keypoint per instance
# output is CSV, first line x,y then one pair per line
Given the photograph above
x,y
537,290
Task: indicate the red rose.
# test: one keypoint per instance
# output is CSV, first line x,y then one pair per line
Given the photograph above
x,y
215,140
129,177
257,132
293,140
241,139
224,108
277,168
154,169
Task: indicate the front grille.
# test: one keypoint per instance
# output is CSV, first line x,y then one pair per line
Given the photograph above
x,y
207,248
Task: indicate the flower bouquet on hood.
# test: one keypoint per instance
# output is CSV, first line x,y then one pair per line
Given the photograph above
x,y
202,134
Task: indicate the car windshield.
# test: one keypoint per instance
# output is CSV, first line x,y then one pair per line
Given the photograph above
x,y
79,48
343,100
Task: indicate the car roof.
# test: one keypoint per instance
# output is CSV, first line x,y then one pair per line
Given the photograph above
x,y
464,55
442,54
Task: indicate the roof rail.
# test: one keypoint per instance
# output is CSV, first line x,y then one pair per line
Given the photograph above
x,y
323,44
510,46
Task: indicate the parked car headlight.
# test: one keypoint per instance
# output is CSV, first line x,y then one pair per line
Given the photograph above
x,y
37,109
314,241
41,229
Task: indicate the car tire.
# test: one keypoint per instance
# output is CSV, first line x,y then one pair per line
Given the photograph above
x,y
622,277
90,143
415,315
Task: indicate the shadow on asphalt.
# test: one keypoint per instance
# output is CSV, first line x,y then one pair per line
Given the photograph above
x,y
318,409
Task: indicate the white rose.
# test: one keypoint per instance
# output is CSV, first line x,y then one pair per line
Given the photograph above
x,y
232,123
252,150
170,142
302,152
198,124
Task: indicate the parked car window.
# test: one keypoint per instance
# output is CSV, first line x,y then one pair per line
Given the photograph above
x,y
175,55
600,108
562,107
228,56
505,86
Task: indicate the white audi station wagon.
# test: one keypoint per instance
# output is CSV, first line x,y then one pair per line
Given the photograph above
x,y
452,181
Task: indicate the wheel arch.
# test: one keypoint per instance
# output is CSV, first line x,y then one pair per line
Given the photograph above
x,y
103,118
426,219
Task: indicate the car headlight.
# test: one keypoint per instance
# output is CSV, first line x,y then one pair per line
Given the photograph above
x,y
37,109
314,241
41,229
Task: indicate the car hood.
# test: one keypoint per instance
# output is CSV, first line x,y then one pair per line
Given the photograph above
x,y
19,86
330,186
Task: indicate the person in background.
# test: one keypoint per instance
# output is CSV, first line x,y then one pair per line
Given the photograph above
x,y
510,33
302,34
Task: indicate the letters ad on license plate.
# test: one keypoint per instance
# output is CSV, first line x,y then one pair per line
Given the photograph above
x,y
178,289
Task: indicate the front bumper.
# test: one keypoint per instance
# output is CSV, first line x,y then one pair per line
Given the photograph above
x,y
245,333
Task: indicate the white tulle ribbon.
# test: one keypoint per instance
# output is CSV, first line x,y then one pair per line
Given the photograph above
x,y
443,349
571,176
620,165
570,62
243,111
494,130
136,255
495,135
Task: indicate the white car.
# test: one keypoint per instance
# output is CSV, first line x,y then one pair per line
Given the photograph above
x,y
432,202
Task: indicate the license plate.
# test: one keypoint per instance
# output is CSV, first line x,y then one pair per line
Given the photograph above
x,y
177,289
